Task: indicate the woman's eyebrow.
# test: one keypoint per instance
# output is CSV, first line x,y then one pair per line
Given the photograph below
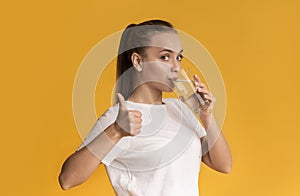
x,y
171,51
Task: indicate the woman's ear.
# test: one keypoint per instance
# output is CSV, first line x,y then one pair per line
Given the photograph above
x,y
136,60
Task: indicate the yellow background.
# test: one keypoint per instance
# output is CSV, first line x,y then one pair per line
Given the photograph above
x,y
255,43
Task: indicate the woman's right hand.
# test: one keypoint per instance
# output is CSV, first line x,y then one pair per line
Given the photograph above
x,y
128,122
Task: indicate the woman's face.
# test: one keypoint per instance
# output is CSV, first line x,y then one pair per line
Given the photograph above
x,y
161,61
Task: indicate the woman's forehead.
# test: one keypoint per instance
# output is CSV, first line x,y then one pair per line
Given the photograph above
x,y
167,40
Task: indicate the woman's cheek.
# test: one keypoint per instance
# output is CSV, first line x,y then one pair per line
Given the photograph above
x,y
156,71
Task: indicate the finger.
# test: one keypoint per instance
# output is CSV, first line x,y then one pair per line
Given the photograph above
x,y
133,116
208,97
198,81
134,119
122,105
202,90
135,132
138,127
137,120
199,84
135,113
135,129
205,93
196,77
202,85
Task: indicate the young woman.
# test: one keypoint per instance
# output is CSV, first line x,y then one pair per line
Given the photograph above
x,y
150,145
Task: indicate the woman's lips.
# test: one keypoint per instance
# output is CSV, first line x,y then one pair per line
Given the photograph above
x,y
171,82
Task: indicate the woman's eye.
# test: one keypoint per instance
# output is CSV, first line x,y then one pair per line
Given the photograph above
x,y
165,58
179,58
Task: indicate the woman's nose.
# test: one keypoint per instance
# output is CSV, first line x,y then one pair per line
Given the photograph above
x,y
176,66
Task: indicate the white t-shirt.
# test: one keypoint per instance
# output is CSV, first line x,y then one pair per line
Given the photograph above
x,y
163,160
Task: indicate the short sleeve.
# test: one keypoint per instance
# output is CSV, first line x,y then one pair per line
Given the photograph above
x,y
108,117
200,130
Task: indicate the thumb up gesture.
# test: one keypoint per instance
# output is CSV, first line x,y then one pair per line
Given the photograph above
x,y
128,122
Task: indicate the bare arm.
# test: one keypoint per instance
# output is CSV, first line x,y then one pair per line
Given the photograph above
x,y
79,166
216,150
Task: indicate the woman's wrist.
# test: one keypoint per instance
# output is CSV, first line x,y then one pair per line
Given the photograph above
x,y
114,132
206,119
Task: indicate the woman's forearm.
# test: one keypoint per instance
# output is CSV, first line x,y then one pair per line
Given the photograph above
x,y
80,165
216,150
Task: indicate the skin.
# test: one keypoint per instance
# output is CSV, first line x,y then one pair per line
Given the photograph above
x,y
163,58
218,157
161,64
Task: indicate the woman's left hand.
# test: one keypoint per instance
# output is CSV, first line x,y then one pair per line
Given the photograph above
x,y
205,110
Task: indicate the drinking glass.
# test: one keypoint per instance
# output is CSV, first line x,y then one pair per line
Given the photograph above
x,y
186,91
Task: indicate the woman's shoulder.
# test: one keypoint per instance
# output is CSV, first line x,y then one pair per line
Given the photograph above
x,y
111,111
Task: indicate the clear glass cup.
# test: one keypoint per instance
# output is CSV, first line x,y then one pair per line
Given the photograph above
x,y
186,91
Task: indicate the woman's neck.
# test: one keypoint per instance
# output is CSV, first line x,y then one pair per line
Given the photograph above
x,y
143,94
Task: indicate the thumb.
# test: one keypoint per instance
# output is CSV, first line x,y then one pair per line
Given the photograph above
x,y
122,105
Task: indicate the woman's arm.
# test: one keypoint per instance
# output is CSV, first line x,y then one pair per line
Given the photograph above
x,y
216,150
80,165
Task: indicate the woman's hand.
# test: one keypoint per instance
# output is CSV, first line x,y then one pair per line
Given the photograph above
x,y
206,109
128,122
